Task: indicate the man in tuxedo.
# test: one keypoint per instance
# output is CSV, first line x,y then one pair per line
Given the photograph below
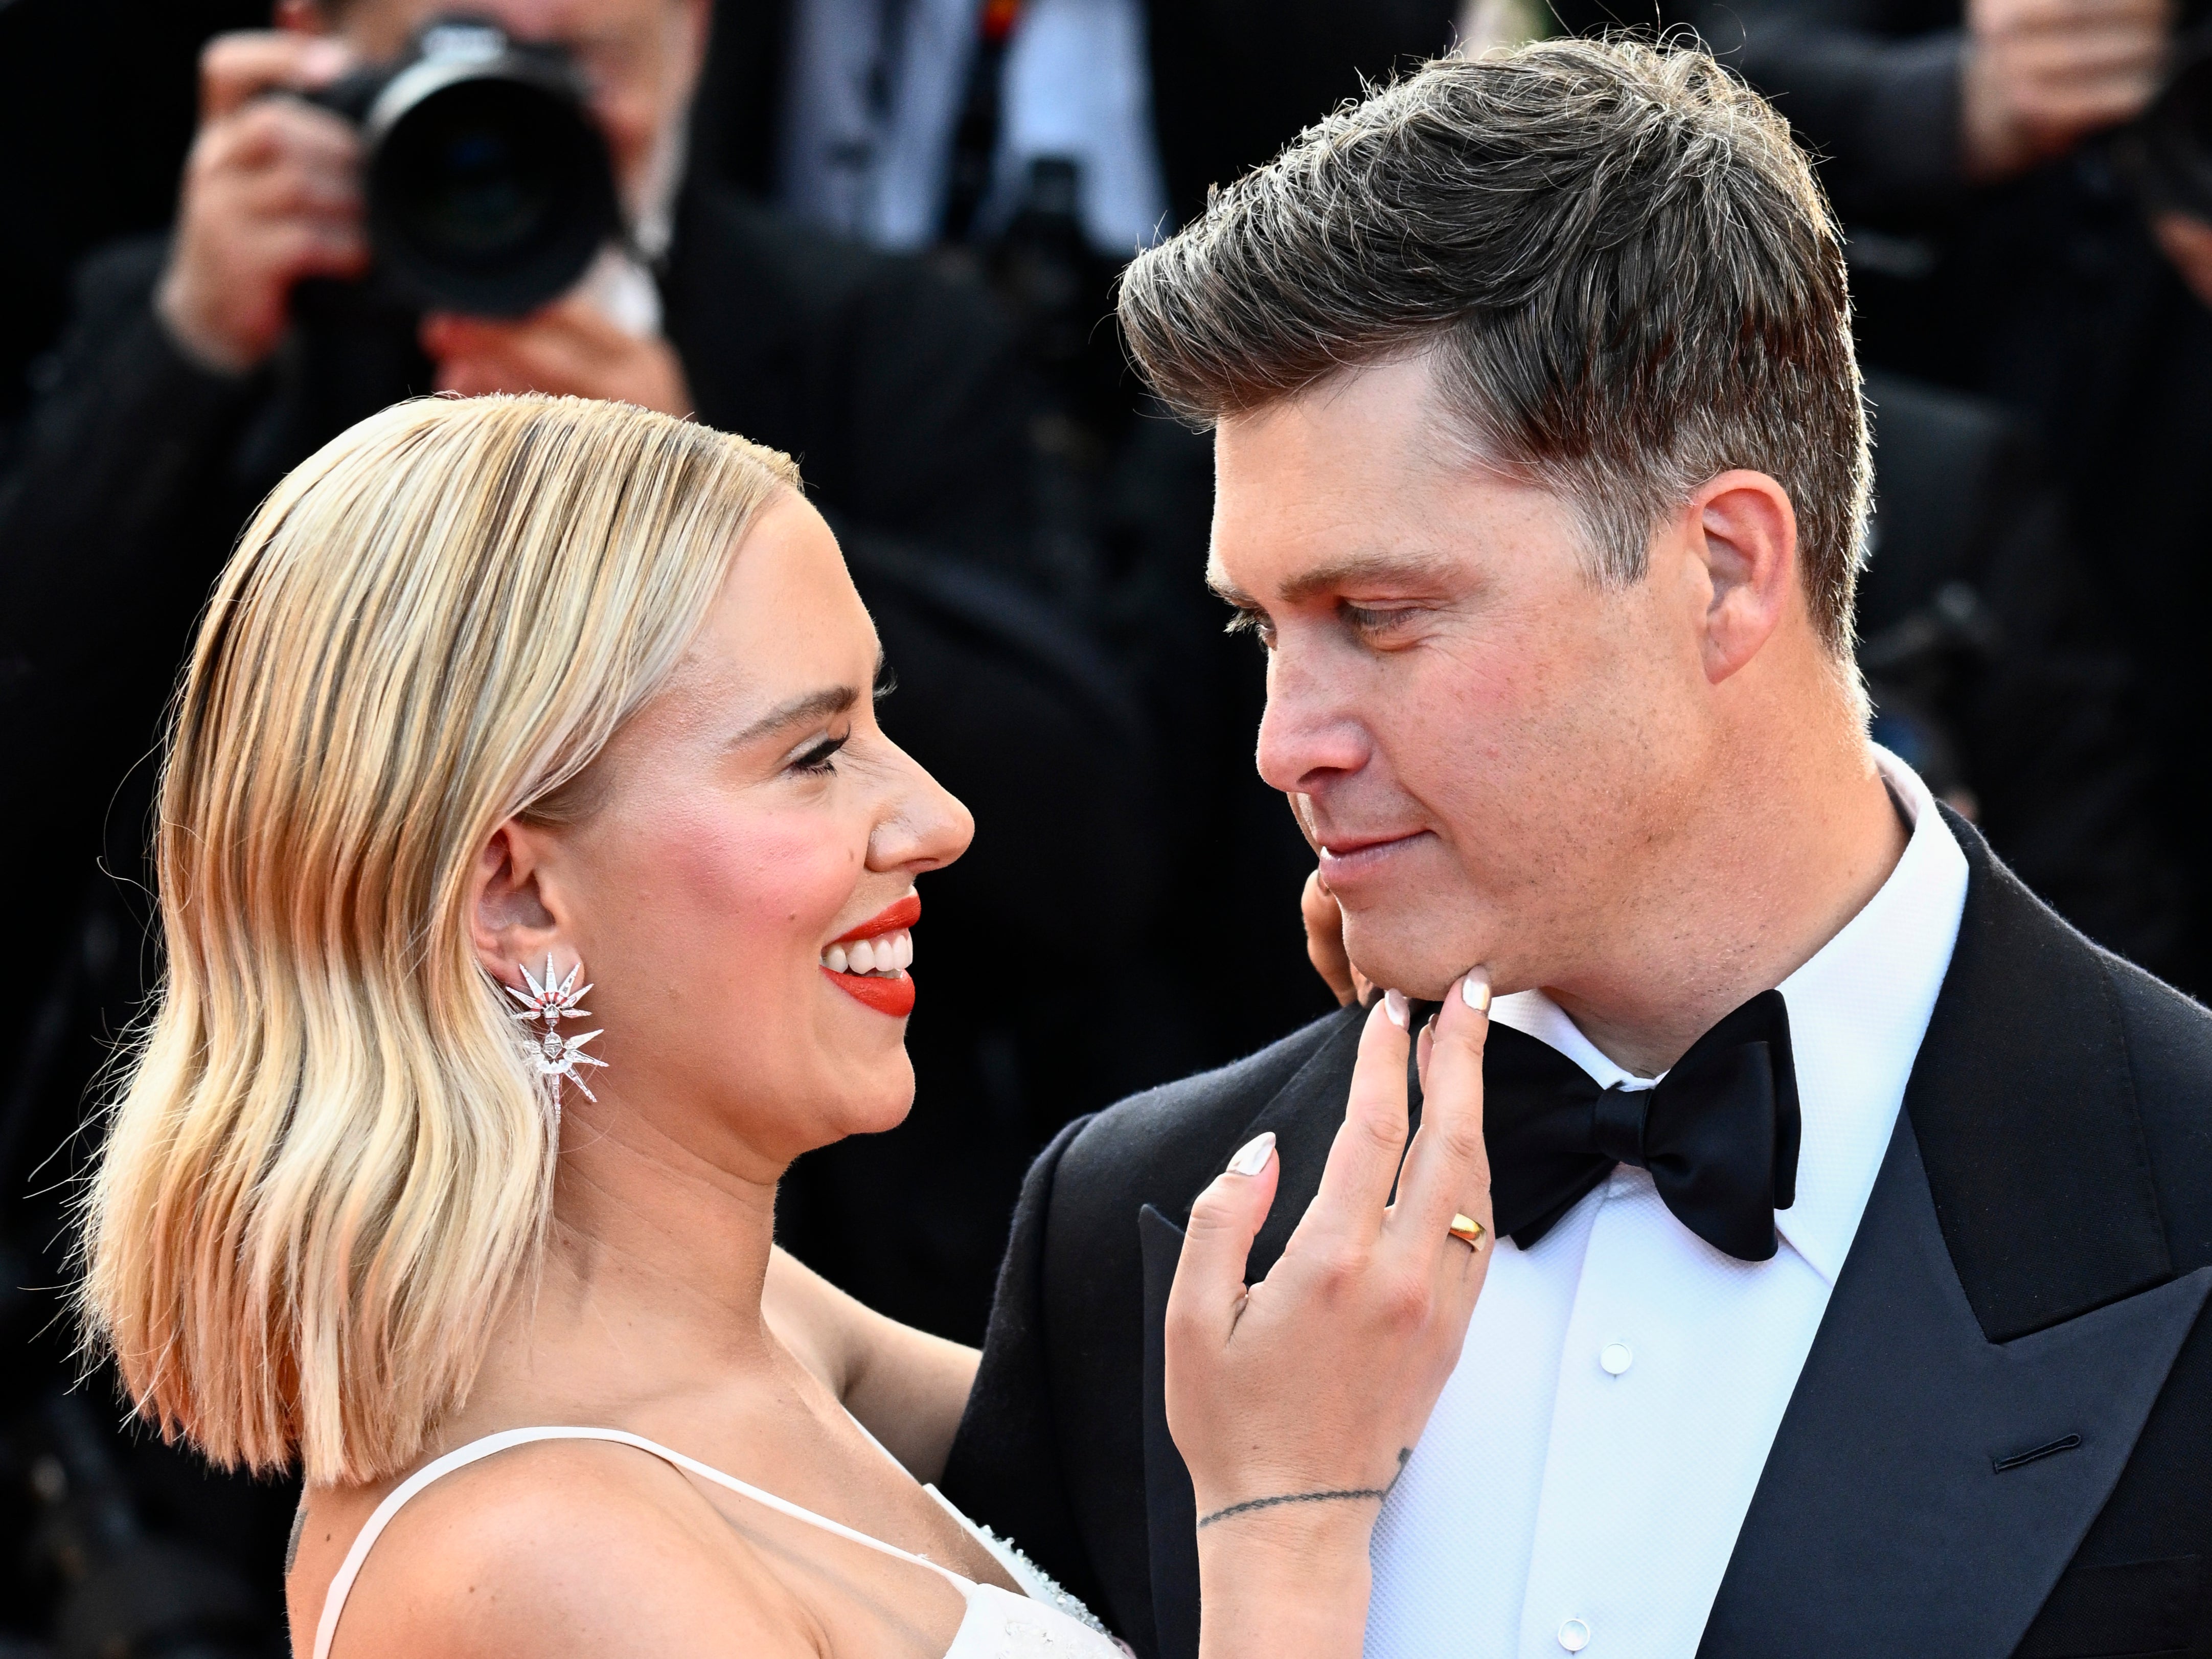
x,y
1855,1214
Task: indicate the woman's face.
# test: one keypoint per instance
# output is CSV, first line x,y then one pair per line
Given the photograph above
x,y
740,886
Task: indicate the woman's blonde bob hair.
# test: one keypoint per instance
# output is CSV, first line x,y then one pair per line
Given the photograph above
x,y
329,1165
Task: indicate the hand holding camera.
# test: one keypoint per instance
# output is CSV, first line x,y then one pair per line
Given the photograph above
x,y
468,178
571,347
272,194
2042,75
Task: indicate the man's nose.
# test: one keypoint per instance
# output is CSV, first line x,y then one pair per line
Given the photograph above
x,y
1310,730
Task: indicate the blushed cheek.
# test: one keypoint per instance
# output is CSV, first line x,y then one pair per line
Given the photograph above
x,y
712,912
773,886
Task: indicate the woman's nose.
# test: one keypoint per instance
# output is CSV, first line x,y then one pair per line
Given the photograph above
x,y
926,828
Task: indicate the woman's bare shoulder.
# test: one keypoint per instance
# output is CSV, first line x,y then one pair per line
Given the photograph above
x,y
567,1547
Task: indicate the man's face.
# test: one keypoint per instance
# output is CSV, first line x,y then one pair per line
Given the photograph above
x,y
1488,749
640,58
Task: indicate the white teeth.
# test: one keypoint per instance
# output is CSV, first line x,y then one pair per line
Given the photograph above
x,y
887,953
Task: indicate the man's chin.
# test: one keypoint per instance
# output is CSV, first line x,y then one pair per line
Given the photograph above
x,y
1409,958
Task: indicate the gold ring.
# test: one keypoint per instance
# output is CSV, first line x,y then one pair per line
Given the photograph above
x,y
1468,1230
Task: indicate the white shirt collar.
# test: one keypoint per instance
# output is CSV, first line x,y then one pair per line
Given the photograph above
x,y
1857,1010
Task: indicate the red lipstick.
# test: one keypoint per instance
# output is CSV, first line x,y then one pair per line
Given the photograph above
x,y
887,994
904,914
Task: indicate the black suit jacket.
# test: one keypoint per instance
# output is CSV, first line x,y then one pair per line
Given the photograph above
x,y
2002,1440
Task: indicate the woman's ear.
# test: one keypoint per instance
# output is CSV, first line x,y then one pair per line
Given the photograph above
x,y
513,915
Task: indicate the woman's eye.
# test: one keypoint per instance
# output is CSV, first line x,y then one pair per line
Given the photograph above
x,y
819,760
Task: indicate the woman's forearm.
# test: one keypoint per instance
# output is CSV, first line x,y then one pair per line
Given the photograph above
x,y
1290,1583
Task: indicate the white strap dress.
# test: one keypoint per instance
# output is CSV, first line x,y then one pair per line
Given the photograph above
x,y
1047,1622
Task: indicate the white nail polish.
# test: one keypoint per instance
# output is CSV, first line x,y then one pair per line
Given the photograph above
x,y
1394,1006
1252,1157
1474,991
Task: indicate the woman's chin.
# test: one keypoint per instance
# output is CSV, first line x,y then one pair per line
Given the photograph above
x,y
880,1100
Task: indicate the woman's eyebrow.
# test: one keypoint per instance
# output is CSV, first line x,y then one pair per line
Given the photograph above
x,y
814,705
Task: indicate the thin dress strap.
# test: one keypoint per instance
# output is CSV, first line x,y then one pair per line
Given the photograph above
x,y
334,1599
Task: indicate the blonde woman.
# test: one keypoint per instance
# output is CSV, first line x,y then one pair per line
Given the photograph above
x,y
536,884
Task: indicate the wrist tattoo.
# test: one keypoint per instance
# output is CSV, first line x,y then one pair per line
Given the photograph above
x,y
1351,1493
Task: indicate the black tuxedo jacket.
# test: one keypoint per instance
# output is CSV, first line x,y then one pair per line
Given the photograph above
x,y
2002,1440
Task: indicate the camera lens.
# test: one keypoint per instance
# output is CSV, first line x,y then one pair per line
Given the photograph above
x,y
490,193
469,185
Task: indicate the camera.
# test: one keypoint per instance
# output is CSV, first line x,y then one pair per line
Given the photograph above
x,y
488,186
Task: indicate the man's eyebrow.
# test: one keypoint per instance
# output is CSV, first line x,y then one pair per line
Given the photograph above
x,y
1401,569
814,705
1410,569
1226,591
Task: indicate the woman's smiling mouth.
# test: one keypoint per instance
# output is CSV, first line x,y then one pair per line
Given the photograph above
x,y
870,963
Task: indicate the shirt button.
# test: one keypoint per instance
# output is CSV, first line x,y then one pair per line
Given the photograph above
x,y
1616,1358
1574,1634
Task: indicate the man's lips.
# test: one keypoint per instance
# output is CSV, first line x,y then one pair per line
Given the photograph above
x,y
1347,857
886,991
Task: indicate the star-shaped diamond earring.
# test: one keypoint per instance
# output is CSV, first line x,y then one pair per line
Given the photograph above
x,y
553,1000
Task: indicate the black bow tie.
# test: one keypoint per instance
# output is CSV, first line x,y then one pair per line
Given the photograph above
x,y
1719,1133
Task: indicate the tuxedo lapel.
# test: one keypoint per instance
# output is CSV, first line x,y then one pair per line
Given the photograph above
x,y
1170,1506
2009,1293
1905,1507
1304,1116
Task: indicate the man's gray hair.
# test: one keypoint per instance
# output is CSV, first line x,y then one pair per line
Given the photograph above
x,y
1628,279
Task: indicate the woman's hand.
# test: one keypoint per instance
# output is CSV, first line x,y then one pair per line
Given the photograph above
x,y
1296,1402
1324,920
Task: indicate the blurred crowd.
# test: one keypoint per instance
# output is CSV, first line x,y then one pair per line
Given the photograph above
x,y
883,235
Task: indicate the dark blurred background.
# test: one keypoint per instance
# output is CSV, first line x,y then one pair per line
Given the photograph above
x,y
890,248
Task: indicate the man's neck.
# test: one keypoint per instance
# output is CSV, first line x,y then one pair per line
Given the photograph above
x,y
1769,879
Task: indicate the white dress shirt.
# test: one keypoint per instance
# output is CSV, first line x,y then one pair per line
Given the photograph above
x,y
1079,85
871,97
872,103
1580,1486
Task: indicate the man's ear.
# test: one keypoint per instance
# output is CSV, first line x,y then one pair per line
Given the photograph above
x,y
515,914
1744,531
